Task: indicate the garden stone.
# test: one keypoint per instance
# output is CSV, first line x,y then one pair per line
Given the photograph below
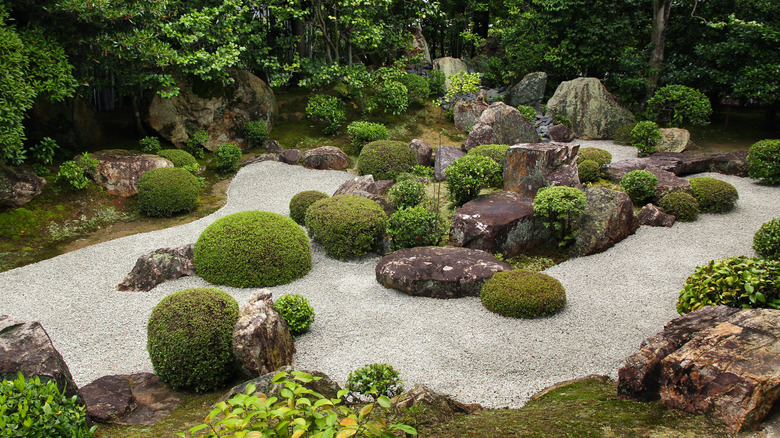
x,y
677,163
718,361
733,163
261,340
423,151
653,216
501,124
594,112
438,272
18,186
325,158
450,66
363,183
529,167
419,45
674,140
500,222
669,182
290,156
118,170
263,384
383,185
529,91
273,147
159,266
427,400
134,399
221,111
560,134
466,114
108,398
445,155
608,218
259,159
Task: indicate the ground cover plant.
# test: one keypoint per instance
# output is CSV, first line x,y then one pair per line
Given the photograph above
x,y
371,381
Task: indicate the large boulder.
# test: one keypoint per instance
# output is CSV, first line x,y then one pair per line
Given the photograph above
x,y
718,361
18,186
134,399
529,167
676,163
500,222
560,134
221,111
261,340
118,170
450,66
674,140
325,158
445,155
159,266
529,91
438,272
608,219
26,347
594,112
419,46
501,124
422,151
73,123
466,114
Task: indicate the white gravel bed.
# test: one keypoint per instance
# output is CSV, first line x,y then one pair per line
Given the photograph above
x,y
615,300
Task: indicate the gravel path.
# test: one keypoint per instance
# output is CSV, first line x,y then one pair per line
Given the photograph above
x,y
615,300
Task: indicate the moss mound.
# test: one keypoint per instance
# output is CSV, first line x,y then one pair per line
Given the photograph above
x,y
302,201
178,157
252,249
714,195
347,226
600,156
681,205
166,191
766,241
523,294
589,171
385,159
189,338
497,152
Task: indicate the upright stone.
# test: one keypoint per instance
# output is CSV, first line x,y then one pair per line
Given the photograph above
x,y
529,91
261,340
594,112
608,219
422,151
445,155
419,44
529,167
501,124
450,66
466,114
118,170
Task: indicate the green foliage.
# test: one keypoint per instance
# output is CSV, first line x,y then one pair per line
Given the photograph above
x,y
252,249
228,155
151,145
417,87
469,174
347,226
640,185
406,193
589,171
414,226
523,294
296,311
528,112
460,84
645,137
179,157
31,408
600,156
189,338
714,195
374,380
681,205
422,171
165,191
561,119
764,161
622,135
385,159
497,152
76,172
766,241
392,97
678,104
300,412
437,81
256,131
301,202
328,111
195,145
741,282
365,132
560,208
43,152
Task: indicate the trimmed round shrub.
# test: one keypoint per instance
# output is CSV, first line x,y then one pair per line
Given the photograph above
x,y
600,156
763,161
328,111
301,202
560,208
252,249
741,282
589,171
178,157
639,185
365,132
166,191
622,134
413,227
380,376
189,338
467,175
645,137
496,152
523,294
256,131
528,112
678,104
228,155
296,311
714,195
766,241
406,193
681,205
385,159
417,88
347,226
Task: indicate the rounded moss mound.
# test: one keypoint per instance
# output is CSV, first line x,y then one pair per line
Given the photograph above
x,y
600,156
252,249
385,159
763,161
681,205
189,338
178,157
766,241
589,171
495,151
714,195
166,191
523,294
347,226
302,201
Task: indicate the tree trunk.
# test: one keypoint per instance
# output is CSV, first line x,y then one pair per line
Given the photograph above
x,y
661,10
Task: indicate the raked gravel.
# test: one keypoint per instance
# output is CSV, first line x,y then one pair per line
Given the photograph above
x,y
615,300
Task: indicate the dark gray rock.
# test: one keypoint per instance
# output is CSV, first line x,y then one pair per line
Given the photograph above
x,y
134,399
18,186
273,147
445,155
529,91
422,151
261,340
733,163
259,159
159,266
560,134
501,124
290,156
608,219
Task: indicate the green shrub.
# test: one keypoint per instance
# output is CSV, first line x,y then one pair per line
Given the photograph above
x,y
413,227
150,145
252,249
165,191
196,143
681,205
328,111
640,185
645,137
365,132
528,112
296,311
43,151
406,193
75,172
766,241
523,294
622,135
589,171
741,282
437,81
714,195
497,152
562,119
418,88
31,408
467,175
178,157
347,226
374,380
189,338
256,131
678,104
393,97
301,202
228,155
763,161
385,159
422,171
600,156
560,208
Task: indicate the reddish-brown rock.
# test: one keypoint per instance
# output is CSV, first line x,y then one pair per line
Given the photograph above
x,y
18,186
118,170
653,216
561,134
668,182
422,151
733,163
261,340
325,158
430,401
135,399
531,166
445,155
363,183
159,266
608,219
501,124
466,114
677,163
290,156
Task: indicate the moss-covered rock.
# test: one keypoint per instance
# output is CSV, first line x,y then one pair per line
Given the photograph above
x,y
301,202
680,205
714,195
523,294
589,171
178,157
166,191
347,226
386,159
